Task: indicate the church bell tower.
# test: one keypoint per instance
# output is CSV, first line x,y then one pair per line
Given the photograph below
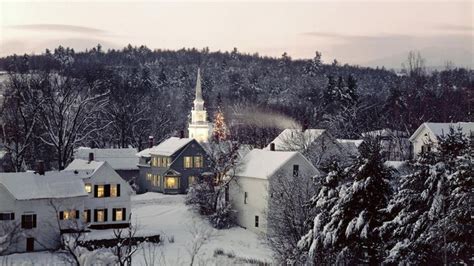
x,y
199,128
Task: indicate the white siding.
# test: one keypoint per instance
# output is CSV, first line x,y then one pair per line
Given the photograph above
x,y
423,138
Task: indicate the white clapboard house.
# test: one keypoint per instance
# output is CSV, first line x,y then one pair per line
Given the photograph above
x,y
426,136
108,202
249,195
35,207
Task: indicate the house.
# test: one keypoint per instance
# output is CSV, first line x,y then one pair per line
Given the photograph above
x,y
123,161
108,195
395,144
426,136
172,166
350,146
249,195
318,145
35,207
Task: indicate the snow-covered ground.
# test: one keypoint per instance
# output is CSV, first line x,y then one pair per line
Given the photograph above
x,y
167,215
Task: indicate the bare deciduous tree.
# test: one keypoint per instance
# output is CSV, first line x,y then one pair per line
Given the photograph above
x,y
288,215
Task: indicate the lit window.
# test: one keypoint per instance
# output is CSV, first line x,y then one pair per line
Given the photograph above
x,y
168,162
155,181
86,216
118,216
171,182
197,161
100,191
88,187
149,176
164,162
188,162
100,216
191,180
113,190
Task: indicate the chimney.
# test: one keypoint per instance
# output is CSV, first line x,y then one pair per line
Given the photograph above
x,y
91,157
151,141
40,167
181,134
272,146
304,126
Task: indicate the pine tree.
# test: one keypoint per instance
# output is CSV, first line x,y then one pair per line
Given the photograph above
x,y
431,212
345,228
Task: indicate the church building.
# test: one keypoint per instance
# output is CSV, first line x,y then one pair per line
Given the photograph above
x,y
199,128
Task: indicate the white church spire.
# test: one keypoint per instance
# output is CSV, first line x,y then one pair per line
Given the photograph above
x,y
199,128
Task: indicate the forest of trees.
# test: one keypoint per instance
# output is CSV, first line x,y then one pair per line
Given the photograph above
x,y
59,100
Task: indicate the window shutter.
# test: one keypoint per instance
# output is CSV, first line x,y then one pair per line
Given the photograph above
x,y
88,220
13,216
77,214
61,215
118,190
124,215
96,191
23,221
105,215
114,215
34,221
95,215
107,190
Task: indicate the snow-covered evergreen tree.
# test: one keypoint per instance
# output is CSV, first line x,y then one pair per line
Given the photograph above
x,y
431,214
345,228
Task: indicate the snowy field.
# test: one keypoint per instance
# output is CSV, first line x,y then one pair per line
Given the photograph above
x,y
155,213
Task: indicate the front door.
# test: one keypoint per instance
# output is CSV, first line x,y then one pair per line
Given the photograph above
x,y
30,244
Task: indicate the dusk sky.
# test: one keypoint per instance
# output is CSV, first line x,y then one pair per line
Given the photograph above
x,y
366,33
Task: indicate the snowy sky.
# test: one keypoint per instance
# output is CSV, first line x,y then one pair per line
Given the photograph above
x,y
366,33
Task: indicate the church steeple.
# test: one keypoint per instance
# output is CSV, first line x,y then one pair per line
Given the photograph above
x,y
198,100
199,128
198,86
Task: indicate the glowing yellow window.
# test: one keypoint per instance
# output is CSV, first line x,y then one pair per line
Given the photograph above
x,y
188,162
100,215
197,161
149,177
113,190
168,161
100,191
171,182
88,187
164,162
118,215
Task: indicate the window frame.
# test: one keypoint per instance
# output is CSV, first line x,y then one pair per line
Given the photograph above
x,y
199,160
28,224
188,164
88,187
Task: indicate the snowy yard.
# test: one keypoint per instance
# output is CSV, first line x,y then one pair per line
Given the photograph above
x,y
156,213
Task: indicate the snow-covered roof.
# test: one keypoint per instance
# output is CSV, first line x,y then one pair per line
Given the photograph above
x,y
386,132
263,163
439,129
119,159
350,145
294,139
84,166
166,148
51,185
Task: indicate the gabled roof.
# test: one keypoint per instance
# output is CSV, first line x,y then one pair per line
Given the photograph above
x,y
292,139
263,163
119,159
350,145
166,148
84,166
439,129
52,185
